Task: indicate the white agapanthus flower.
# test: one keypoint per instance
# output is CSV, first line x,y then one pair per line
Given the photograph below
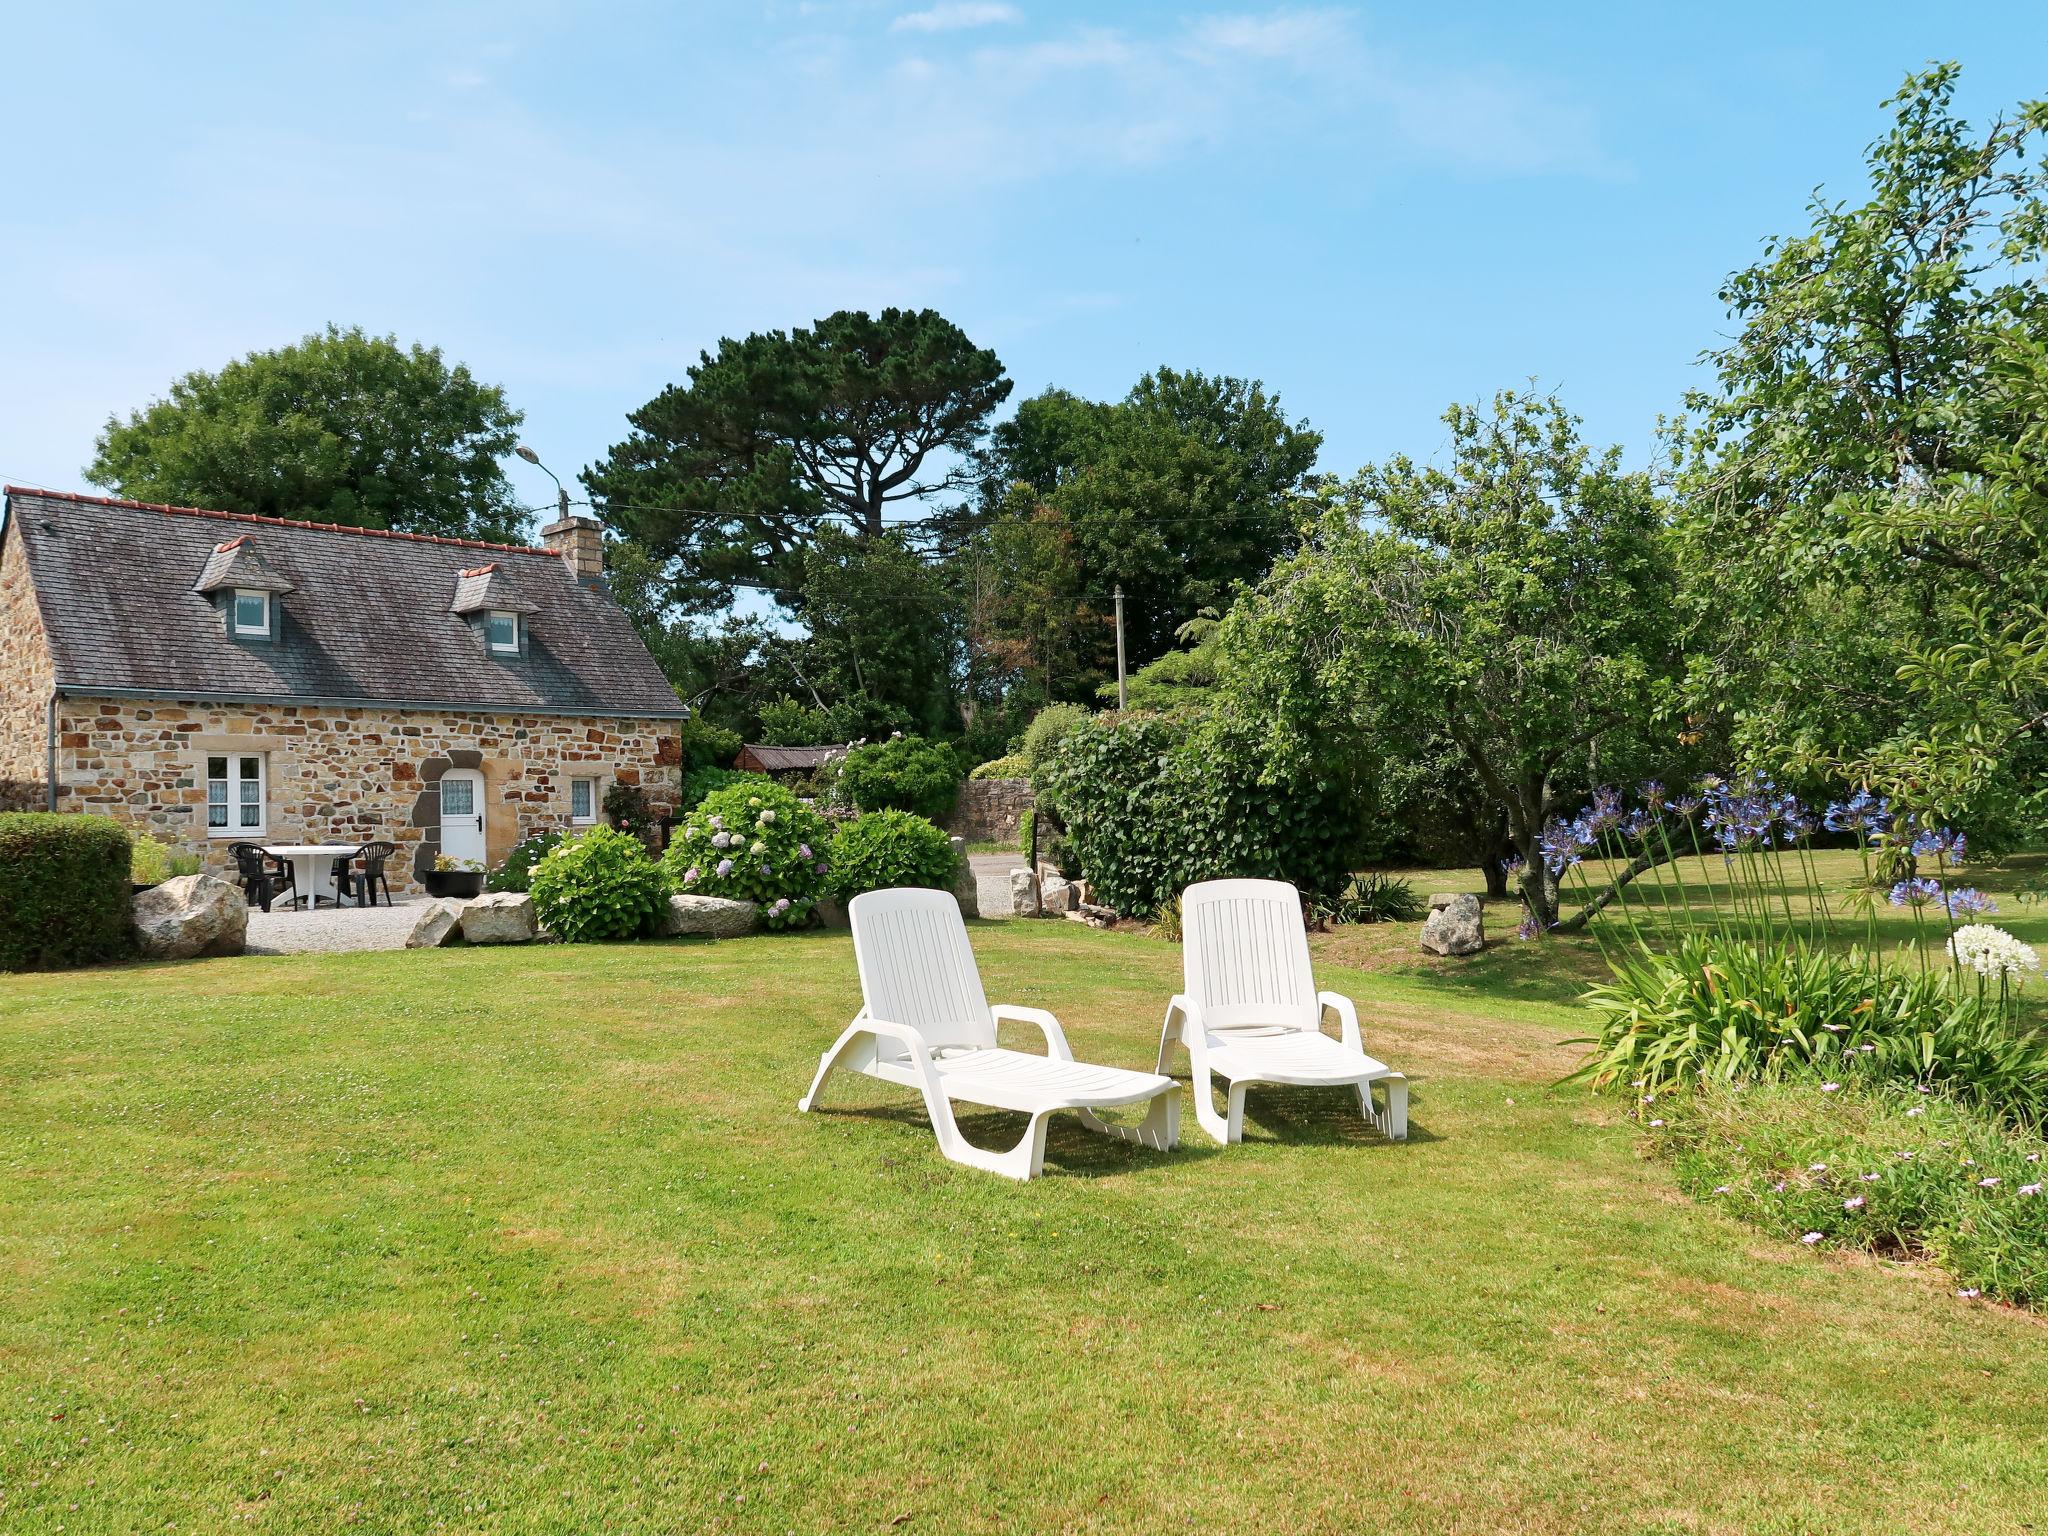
x,y
1992,952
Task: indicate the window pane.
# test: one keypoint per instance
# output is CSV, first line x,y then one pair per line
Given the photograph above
x,y
504,632
252,768
579,799
216,767
252,611
458,797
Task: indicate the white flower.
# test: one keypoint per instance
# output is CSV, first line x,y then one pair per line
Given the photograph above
x,y
1992,952
767,819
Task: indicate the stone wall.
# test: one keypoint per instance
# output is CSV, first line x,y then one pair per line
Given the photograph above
x,y
989,810
348,775
24,669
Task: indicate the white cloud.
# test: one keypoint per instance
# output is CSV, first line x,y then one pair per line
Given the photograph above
x,y
956,16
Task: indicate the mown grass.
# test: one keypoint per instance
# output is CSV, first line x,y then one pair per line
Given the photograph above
x,y
535,1241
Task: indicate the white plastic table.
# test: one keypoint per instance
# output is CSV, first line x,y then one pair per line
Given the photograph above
x,y
312,867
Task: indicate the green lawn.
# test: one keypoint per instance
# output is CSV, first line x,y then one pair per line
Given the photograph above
x,y
535,1241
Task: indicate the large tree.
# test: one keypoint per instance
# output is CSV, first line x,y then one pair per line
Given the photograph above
x,y
1513,606
727,479
1184,489
341,427
1862,490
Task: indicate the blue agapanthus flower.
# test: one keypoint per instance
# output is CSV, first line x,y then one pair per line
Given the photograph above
x,y
1917,892
1862,812
1967,902
1564,843
1938,843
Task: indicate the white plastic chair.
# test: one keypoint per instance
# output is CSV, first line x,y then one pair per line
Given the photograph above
x,y
1251,1012
926,1024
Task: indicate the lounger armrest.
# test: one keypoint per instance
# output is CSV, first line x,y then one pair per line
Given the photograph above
x,y
1055,1038
1347,1016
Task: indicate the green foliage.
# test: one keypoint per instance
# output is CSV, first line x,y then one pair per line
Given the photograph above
x,y
1371,898
753,843
1875,451
152,862
1012,767
341,427
906,773
1732,1010
700,782
885,850
1153,803
627,806
705,745
516,872
1878,1168
1048,728
787,723
1053,845
729,477
883,627
64,891
596,886
1188,486
1514,605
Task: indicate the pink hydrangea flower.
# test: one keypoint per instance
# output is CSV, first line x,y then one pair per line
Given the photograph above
x,y
724,868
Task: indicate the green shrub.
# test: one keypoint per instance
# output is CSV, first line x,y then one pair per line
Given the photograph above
x,y
705,745
754,843
905,773
1053,847
64,890
1371,898
598,885
1048,728
1153,803
699,782
516,873
887,849
1876,1167
1732,1010
1011,767
152,862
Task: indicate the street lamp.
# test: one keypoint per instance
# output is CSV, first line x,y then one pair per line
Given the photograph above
x,y
561,496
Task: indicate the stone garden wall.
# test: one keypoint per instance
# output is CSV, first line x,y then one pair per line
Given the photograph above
x,y
989,810
348,775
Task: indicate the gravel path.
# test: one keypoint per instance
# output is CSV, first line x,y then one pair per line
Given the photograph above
x,y
329,929
992,881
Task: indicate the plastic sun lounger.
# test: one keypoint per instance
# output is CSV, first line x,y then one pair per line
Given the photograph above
x,y
1251,1012
927,1025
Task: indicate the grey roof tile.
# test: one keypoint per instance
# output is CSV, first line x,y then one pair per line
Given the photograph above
x,y
367,615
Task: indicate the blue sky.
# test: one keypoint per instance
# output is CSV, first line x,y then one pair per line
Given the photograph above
x,y
1376,209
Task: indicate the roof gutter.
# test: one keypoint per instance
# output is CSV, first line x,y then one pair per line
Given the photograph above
x,y
330,701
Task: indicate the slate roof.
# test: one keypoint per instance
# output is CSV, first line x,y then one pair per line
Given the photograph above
x,y
785,759
366,618
235,563
482,588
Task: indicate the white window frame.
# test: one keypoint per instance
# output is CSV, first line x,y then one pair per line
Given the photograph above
x,y
490,619
262,631
589,820
233,783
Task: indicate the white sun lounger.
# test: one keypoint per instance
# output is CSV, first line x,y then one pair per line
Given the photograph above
x,y
926,1024
1251,1012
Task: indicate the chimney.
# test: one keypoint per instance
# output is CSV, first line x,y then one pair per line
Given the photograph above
x,y
580,541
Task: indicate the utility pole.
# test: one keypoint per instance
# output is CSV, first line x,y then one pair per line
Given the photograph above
x,y
1122,695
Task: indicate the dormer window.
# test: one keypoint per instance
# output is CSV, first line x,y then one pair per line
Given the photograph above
x,y
252,612
244,589
490,601
501,631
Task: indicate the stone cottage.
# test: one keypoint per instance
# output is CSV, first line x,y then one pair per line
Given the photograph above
x,y
214,677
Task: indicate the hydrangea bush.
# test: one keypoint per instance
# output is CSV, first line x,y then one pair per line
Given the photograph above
x,y
753,842
597,886
885,850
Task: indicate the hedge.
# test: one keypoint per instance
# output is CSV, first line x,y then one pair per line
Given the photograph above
x,y
905,773
1154,803
64,891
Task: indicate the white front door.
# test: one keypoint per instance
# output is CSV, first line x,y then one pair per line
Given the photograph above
x,y
462,814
